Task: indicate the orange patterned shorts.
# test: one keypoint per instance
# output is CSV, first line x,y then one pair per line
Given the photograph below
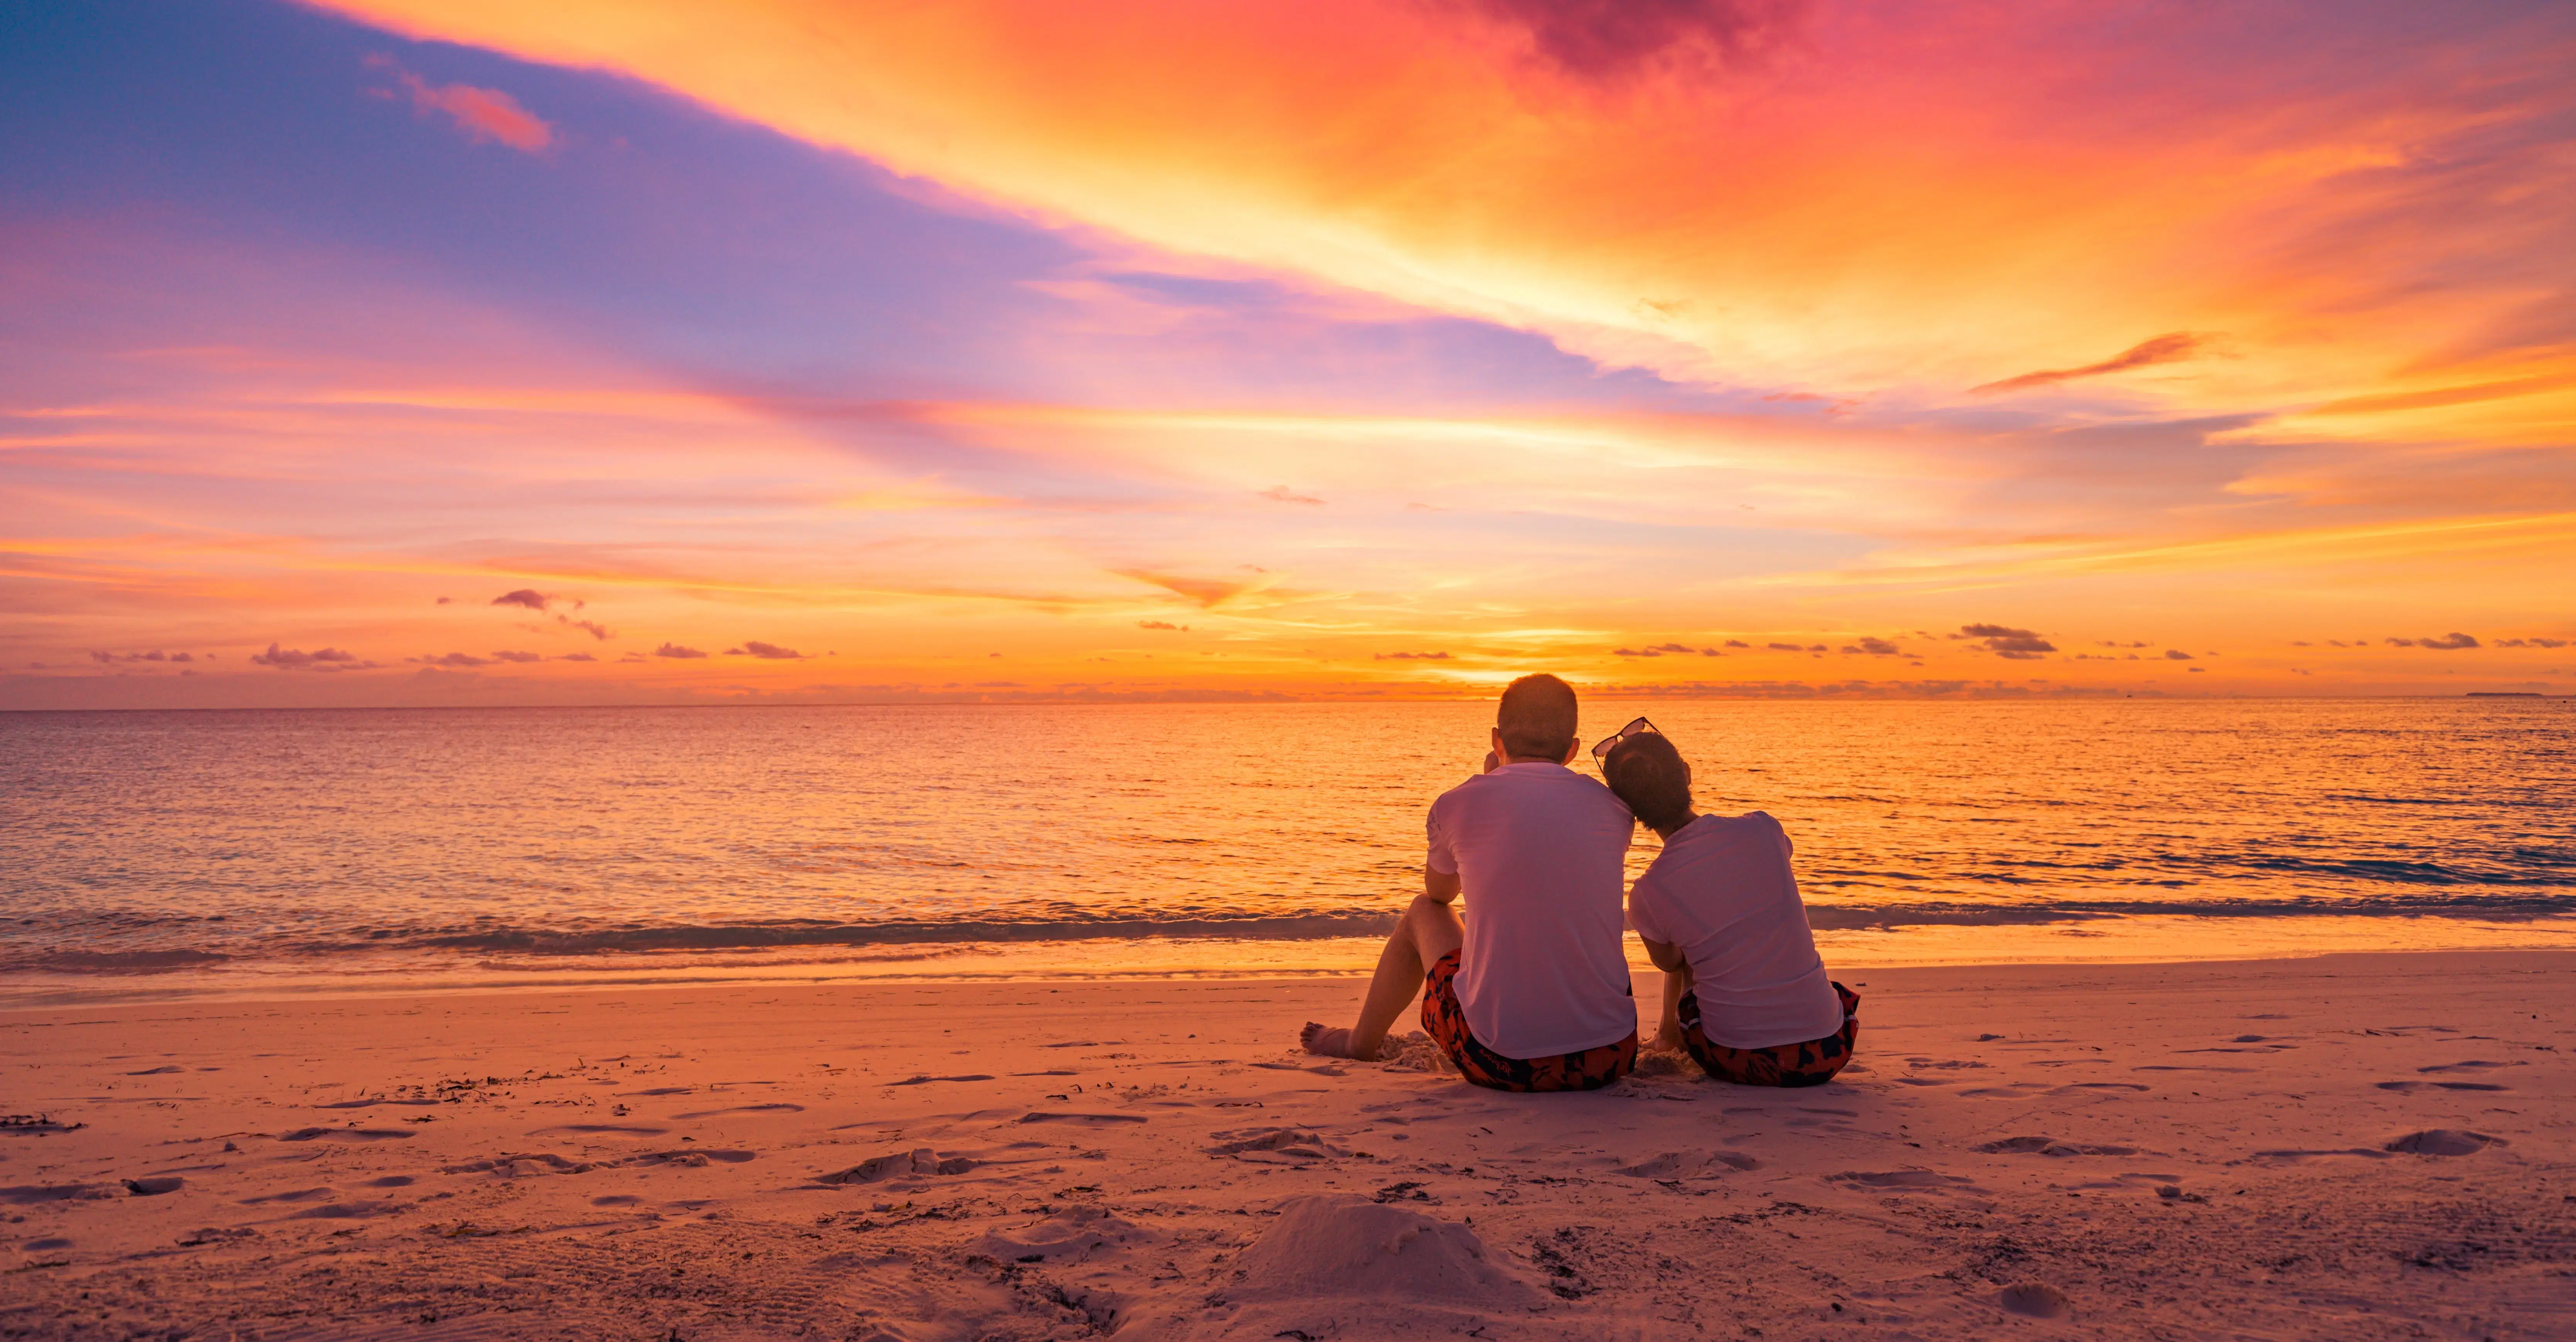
x,y
1809,1064
1590,1069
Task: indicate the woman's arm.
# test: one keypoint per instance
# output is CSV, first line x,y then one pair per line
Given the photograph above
x,y
1677,980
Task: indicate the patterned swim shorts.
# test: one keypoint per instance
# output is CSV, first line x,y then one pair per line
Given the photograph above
x,y
1809,1064
1590,1069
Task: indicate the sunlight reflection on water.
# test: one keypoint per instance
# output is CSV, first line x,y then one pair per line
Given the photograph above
x,y
214,848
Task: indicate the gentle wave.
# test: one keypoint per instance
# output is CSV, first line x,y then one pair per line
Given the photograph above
x,y
1314,926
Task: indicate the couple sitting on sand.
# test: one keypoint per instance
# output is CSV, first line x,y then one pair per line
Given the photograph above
x,y
1532,993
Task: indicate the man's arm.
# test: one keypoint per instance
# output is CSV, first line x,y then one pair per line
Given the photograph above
x,y
1440,887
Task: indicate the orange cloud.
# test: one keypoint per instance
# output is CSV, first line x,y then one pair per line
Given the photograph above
x,y
483,114
2171,348
1752,192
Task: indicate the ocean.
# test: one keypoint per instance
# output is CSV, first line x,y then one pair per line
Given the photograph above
x,y
161,854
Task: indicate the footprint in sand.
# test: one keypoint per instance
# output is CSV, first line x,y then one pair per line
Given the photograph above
x,y
2472,1065
1076,1235
346,1134
521,1166
291,1195
781,1108
620,1129
2441,1085
345,1211
1898,1179
2050,1146
153,1186
1690,1164
2034,1300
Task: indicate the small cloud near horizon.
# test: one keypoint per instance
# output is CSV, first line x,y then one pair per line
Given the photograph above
x,y
451,659
1163,624
1413,657
1283,494
2501,643
320,659
765,651
675,650
506,656
2450,642
2177,655
576,657
2020,645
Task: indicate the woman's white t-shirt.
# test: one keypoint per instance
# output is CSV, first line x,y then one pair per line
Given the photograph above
x,y
1723,894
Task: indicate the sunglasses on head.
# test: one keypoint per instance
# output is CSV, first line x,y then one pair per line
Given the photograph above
x,y
1636,728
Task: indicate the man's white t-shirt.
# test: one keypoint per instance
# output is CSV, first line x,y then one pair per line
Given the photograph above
x,y
1722,893
1538,850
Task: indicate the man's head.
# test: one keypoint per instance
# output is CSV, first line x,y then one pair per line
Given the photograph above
x,y
1536,719
1648,774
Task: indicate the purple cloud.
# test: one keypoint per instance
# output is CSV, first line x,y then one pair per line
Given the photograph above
x,y
675,650
2020,645
320,659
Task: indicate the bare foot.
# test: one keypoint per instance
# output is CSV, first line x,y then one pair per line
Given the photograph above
x,y
1331,1041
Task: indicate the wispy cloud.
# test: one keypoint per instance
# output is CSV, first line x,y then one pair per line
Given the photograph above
x,y
2452,642
2171,348
765,651
674,650
483,114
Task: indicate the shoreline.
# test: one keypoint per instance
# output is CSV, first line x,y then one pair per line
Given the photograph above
x,y
1163,960
2361,1145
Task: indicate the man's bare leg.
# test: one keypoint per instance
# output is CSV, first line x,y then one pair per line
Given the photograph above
x,y
1429,930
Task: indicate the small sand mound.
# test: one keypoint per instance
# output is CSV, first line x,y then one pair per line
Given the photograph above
x,y
1689,1165
920,1162
1336,1245
1664,1064
1301,1143
1073,1235
2443,1142
2034,1299
1415,1052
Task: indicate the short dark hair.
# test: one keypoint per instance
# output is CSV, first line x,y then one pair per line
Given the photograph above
x,y
1537,718
1648,774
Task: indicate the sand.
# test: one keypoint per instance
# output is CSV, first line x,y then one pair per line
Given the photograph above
x,y
2343,1147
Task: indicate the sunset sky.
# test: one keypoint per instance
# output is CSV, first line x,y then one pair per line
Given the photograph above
x,y
625,351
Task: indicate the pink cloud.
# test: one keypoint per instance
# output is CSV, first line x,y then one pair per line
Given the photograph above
x,y
483,114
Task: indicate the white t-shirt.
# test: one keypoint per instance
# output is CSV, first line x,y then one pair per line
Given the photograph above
x,y
1538,850
1722,893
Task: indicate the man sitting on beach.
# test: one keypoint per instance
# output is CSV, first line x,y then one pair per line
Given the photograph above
x,y
1531,993
1744,990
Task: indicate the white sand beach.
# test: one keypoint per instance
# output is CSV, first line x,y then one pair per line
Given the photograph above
x,y
2359,1146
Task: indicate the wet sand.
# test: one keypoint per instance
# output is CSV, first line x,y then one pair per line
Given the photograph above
x,y
2346,1147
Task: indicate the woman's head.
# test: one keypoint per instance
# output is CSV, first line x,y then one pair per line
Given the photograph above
x,y
1650,776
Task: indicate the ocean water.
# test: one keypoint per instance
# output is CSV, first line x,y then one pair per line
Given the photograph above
x,y
144,854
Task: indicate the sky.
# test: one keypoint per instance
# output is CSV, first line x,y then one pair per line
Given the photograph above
x,y
390,352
